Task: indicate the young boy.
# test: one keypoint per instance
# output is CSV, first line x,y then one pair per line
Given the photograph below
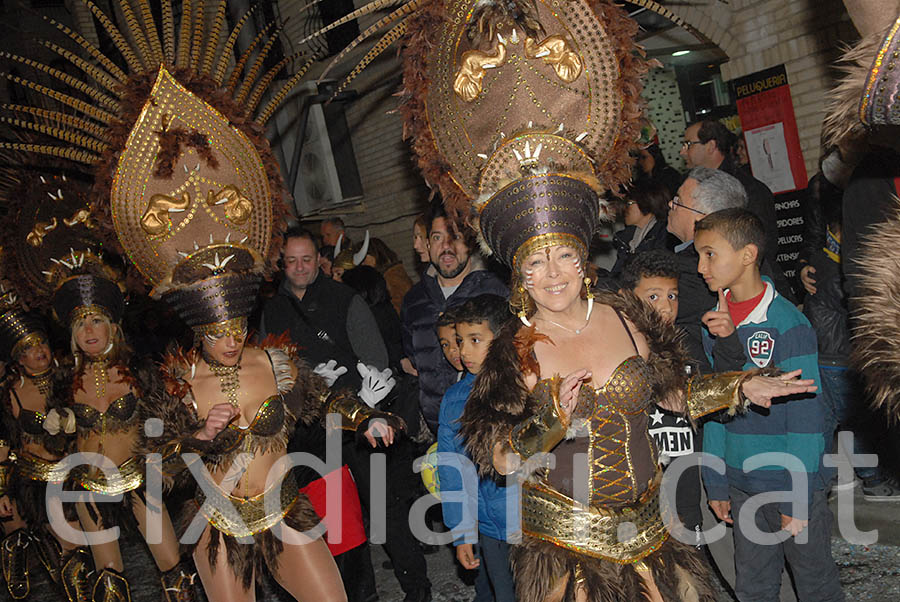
x,y
446,333
772,333
653,276
478,320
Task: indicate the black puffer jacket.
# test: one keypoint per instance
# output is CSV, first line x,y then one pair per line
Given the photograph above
x,y
827,311
421,308
657,238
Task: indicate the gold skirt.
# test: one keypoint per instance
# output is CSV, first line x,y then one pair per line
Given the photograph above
x,y
622,535
243,517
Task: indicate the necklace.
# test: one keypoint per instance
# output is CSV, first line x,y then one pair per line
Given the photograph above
x,y
576,331
101,376
229,378
42,381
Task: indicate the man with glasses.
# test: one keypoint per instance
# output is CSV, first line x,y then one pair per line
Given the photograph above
x,y
709,143
703,191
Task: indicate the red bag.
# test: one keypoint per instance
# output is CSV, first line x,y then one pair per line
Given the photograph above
x,y
353,532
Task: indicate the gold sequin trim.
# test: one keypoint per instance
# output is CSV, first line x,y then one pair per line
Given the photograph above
x,y
244,517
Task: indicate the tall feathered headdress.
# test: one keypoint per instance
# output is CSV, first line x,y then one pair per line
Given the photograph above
x,y
183,172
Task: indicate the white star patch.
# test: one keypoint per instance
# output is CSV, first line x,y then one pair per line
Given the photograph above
x,y
657,417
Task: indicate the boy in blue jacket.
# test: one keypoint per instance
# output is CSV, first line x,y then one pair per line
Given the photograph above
x,y
772,333
477,322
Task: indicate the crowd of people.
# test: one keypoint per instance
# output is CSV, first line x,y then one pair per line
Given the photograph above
x,y
243,395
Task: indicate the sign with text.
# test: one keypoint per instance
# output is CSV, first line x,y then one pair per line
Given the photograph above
x,y
770,129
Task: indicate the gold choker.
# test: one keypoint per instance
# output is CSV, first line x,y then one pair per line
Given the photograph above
x,y
41,380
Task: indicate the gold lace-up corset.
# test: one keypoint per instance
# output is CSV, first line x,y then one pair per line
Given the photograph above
x,y
610,427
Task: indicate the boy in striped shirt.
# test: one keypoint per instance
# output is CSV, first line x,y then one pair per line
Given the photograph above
x,y
795,522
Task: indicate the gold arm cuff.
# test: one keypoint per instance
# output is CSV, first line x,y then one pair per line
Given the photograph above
x,y
352,412
541,432
594,531
244,517
130,473
6,470
713,392
37,469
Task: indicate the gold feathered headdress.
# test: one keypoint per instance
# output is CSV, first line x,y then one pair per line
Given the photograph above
x,y
184,174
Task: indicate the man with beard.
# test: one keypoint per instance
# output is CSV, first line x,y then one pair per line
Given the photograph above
x,y
454,276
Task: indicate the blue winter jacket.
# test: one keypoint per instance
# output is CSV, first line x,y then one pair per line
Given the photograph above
x,y
497,507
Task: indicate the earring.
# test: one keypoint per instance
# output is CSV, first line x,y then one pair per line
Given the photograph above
x,y
523,309
587,285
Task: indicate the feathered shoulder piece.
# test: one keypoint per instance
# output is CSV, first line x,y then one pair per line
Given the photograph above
x,y
876,333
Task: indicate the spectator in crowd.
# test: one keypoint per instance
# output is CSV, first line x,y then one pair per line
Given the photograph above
x,y
704,191
382,258
709,143
326,258
445,327
482,518
420,238
455,275
326,319
646,212
653,277
652,166
331,230
826,308
773,333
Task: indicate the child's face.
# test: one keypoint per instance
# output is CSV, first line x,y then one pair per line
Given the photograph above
x,y
720,265
447,339
661,294
474,340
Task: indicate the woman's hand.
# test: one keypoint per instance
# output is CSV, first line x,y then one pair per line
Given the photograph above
x,y
378,427
808,279
6,508
761,389
220,415
568,391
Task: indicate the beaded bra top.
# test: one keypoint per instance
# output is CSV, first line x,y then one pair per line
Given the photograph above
x,y
30,421
119,416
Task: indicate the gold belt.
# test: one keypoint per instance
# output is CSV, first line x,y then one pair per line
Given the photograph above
x,y
37,469
130,473
243,517
551,516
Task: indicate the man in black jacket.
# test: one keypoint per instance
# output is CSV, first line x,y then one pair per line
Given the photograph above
x,y
454,276
708,143
704,191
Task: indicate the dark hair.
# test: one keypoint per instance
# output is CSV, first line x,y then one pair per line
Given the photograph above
x,y
651,196
446,318
740,227
828,198
659,160
653,263
437,210
492,309
383,254
327,251
300,232
369,283
711,129
334,221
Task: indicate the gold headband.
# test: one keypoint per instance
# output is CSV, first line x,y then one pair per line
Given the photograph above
x,y
83,311
235,327
29,340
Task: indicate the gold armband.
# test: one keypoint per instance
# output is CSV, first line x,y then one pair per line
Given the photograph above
x,y
713,392
543,431
352,412
6,469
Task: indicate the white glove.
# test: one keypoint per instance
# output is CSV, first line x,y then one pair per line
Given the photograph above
x,y
330,371
375,385
60,420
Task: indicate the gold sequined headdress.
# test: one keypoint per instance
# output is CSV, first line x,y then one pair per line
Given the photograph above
x,y
185,176
19,329
525,110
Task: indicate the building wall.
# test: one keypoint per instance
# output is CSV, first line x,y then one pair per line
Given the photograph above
x,y
805,35
664,110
